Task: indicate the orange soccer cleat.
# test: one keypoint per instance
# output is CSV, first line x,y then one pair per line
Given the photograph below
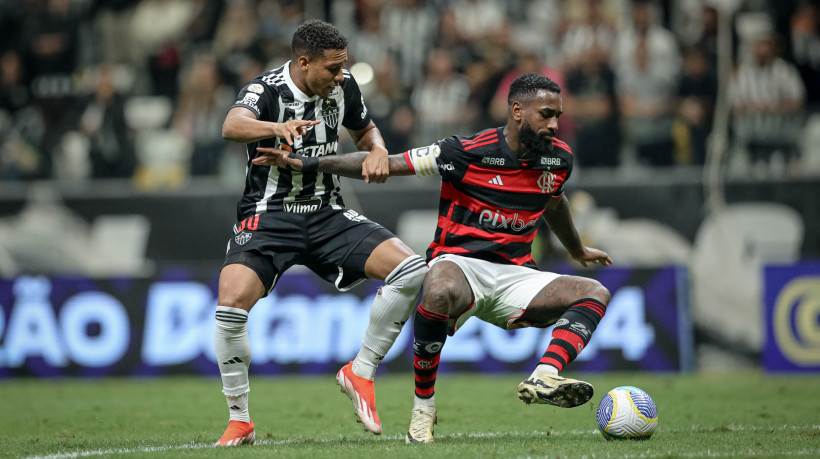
x,y
237,433
361,392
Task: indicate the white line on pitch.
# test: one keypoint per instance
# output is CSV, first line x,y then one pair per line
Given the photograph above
x,y
534,433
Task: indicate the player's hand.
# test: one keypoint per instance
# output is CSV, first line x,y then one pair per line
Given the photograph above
x,y
292,129
591,255
278,158
375,167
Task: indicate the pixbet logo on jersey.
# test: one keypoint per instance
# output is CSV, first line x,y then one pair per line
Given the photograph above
x,y
498,220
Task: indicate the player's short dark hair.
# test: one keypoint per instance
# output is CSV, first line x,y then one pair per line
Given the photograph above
x,y
528,84
313,37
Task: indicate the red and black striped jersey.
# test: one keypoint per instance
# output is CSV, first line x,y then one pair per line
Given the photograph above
x,y
490,201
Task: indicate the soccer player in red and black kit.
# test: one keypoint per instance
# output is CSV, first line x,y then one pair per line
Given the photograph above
x,y
287,217
495,186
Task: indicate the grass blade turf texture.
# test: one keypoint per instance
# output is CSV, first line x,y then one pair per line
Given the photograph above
x,y
731,415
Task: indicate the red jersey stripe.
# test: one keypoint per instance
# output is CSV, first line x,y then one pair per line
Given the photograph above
x,y
448,191
518,260
480,137
488,142
501,238
563,147
409,163
439,248
512,180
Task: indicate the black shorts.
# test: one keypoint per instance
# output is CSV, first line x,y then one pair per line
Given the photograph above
x,y
334,243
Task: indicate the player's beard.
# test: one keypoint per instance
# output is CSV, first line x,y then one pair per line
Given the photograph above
x,y
536,144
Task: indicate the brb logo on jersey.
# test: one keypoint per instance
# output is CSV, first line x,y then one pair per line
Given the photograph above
x,y
498,220
547,182
330,112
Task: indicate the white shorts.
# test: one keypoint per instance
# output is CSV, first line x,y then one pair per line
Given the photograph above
x,y
502,292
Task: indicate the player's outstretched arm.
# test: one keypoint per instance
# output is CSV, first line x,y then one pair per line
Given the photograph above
x,y
375,168
241,126
559,219
346,165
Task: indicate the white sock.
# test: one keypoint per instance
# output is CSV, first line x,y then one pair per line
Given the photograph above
x,y
544,368
238,407
391,308
233,355
421,402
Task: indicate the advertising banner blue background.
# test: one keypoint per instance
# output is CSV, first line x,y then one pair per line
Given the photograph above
x,y
792,316
74,326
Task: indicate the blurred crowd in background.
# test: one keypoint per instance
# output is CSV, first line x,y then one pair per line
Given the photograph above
x,y
139,88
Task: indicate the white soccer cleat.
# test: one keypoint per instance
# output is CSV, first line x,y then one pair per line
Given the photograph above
x,y
363,395
555,390
422,422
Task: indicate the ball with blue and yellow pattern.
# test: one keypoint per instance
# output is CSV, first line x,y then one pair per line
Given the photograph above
x,y
627,413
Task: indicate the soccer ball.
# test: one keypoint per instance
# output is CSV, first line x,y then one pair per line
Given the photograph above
x,y
627,412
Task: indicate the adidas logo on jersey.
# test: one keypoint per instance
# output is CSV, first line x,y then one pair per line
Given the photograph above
x,y
496,180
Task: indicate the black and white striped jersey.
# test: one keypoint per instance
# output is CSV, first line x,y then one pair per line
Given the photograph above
x,y
273,96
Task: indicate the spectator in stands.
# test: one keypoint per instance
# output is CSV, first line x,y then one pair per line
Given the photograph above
x,y
111,22
805,41
102,120
590,87
588,40
388,106
21,125
158,29
767,98
14,92
696,95
200,112
409,27
367,44
236,31
646,71
591,94
440,101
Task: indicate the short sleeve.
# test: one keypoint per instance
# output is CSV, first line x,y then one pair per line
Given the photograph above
x,y
560,191
356,114
452,162
256,96
437,158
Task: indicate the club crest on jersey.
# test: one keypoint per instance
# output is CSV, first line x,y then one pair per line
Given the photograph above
x,y
330,113
547,182
243,238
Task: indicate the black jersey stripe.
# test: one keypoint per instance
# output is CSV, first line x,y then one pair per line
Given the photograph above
x,y
269,188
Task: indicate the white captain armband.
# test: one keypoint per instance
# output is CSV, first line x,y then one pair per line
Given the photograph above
x,y
423,160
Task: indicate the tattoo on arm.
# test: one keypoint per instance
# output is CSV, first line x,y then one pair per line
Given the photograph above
x,y
350,164
347,165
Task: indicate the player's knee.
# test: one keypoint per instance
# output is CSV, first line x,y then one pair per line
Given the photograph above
x,y
598,292
409,277
440,296
236,299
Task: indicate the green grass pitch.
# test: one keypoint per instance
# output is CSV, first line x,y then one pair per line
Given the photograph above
x,y
726,415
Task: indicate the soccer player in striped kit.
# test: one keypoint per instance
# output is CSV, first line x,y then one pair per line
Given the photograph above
x,y
287,217
495,186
